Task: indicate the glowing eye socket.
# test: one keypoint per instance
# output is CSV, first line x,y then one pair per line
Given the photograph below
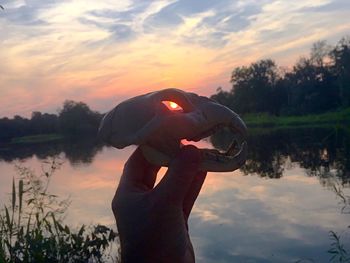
x,y
173,106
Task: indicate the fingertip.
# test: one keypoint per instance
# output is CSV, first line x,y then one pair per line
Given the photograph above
x,y
138,171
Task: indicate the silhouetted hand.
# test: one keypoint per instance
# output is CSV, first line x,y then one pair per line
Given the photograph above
x,y
153,221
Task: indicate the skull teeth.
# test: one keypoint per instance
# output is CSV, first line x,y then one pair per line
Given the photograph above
x,y
233,148
213,154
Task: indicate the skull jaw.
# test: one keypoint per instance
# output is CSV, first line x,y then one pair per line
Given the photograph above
x,y
209,163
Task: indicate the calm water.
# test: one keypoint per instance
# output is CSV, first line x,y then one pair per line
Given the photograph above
x,y
279,208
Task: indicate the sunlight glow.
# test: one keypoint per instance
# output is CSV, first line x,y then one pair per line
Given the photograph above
x,y
173,106
92,52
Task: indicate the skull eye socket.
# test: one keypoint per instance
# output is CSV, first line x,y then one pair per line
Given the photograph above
x,y
173,106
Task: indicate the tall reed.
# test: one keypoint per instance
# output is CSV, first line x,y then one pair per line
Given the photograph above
x,y
32,225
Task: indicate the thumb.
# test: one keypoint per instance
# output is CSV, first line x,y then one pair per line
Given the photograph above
x,y
181,172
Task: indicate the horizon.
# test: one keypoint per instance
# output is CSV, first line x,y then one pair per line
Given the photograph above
x,y
105,52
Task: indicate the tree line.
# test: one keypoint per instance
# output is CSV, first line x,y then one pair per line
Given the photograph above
x,y
315,84
74,119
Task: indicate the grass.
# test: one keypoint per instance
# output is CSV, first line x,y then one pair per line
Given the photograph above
x,y
37,138
264,120
32,226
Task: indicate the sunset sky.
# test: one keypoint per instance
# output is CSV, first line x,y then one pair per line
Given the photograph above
x,y
102,52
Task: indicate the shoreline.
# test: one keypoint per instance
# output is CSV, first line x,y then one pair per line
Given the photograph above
x,y
258,122
328,119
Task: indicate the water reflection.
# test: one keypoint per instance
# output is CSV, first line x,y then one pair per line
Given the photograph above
x,y
236,218
322,151
77,151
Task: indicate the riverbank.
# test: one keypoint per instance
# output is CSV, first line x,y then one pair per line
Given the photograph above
x,y
258,122
39,138
336,118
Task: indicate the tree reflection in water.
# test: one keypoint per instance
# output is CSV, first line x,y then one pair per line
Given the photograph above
x,y
76,150
323,152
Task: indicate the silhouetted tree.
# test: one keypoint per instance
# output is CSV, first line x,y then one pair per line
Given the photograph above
x,y
254,87
312,88
76,118
320,52
341,60
318,83
223,97
43,123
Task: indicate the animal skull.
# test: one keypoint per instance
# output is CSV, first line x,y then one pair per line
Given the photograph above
x,y
146,121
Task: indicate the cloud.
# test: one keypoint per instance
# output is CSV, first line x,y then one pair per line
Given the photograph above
x,y
165,18
97,49
118,31
122,16
23,16
333,6
26,13
214,31
233,20
191,7
245,218
120,23
172,14
207,23
122,32
210,40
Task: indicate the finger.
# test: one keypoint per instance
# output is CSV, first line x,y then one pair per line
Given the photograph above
x,y
181,172
138,173
193,193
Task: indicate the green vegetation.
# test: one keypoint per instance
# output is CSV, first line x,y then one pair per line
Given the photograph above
x,y
338,251
265,120
74,119
32,227
37,138
314,85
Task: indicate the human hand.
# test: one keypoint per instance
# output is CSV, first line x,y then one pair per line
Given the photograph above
x,y
153,221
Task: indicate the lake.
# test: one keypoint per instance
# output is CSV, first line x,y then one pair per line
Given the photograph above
x,y
280,207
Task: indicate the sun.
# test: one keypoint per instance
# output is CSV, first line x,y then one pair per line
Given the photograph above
x,y
173,105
